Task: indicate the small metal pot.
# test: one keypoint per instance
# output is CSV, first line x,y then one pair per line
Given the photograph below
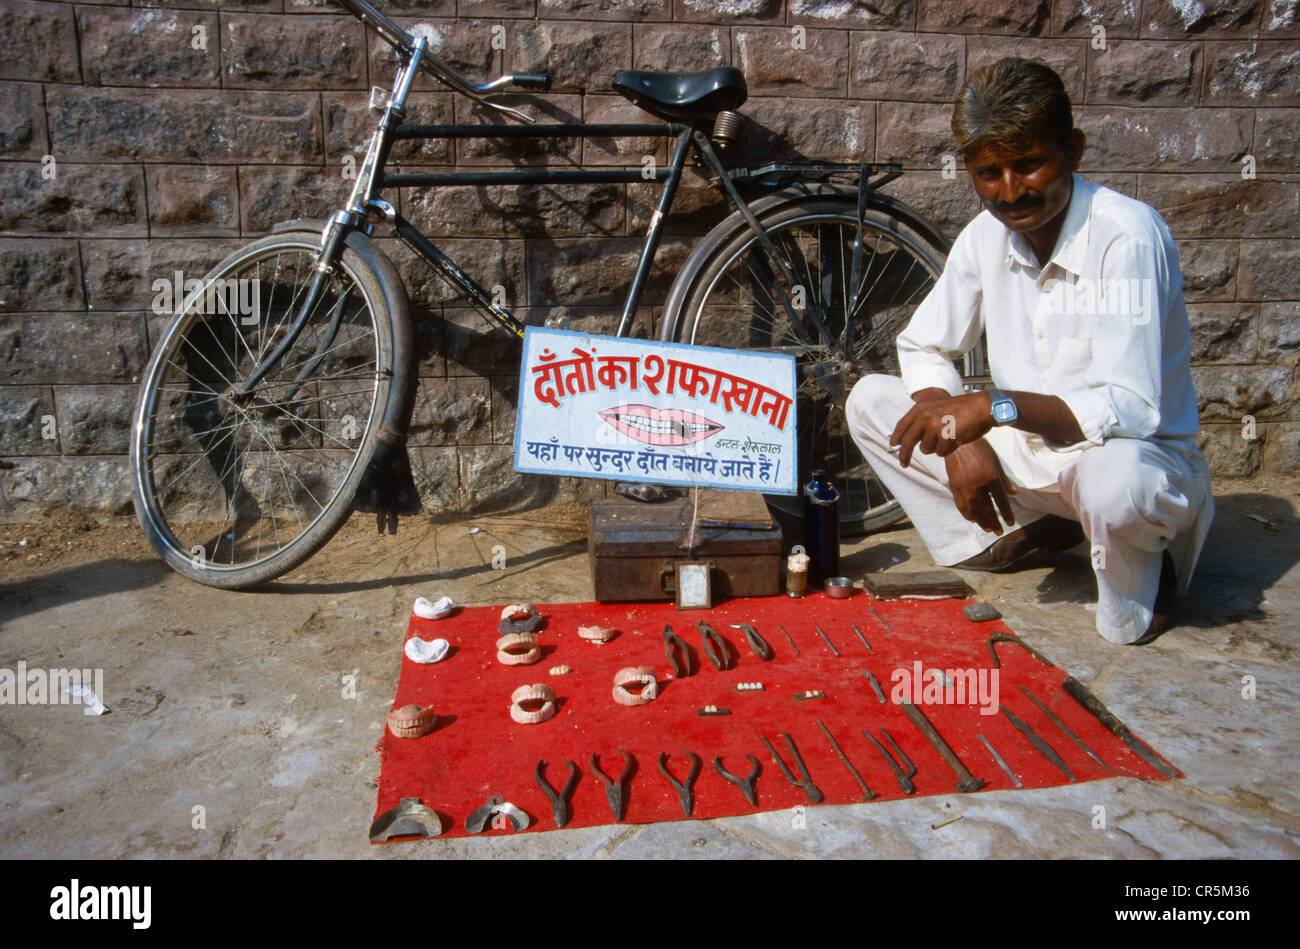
x,y
839,588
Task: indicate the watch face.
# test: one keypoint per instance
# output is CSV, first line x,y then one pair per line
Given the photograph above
x,y
1004,410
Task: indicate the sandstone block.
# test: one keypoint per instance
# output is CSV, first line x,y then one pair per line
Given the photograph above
x,y
908,66
1227,393
857,14
78,349
1137,71
293,52
95,420
1270,270
271,196
188,126
22,121
1164,139
1254,73
776,61
580,57
28,425
40,275
1019,17
38,42
1223,332
150,47
834,131
187,200
680,47
1224,205
79,199
1209,269
1203,18
1279,332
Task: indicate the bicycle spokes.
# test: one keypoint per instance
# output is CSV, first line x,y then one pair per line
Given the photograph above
x,y
237,476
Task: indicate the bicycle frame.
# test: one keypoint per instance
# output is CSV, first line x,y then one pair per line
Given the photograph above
x,y
365,208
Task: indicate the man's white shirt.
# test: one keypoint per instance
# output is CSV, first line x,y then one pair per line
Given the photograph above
x,y
1102,325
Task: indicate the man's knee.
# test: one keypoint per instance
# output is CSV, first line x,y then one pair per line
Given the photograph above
x,y
876,404
1116,485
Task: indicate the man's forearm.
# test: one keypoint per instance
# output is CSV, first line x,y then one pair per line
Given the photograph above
x,y
1044,415
1039,414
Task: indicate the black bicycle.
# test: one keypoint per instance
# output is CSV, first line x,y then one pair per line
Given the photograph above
x,y
289,372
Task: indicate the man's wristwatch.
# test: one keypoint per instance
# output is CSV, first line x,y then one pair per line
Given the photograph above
x,y
1004,409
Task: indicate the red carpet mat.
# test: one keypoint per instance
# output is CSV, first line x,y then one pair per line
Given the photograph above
x,y
477,750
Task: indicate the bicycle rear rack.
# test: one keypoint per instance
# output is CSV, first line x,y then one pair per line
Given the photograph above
x,y
878,174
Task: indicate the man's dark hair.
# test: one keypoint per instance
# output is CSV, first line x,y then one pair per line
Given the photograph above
x,y
1007,105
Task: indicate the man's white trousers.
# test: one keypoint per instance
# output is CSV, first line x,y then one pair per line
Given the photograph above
x,y
1135,498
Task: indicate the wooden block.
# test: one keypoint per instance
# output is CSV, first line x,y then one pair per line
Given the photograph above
x,y
921,583
737,509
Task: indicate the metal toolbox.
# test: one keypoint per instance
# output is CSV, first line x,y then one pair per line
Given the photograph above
x,y
635,547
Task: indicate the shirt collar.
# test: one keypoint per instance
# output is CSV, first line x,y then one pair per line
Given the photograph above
x,y
1071,244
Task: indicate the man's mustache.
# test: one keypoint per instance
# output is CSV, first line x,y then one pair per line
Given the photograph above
x,y
1028,202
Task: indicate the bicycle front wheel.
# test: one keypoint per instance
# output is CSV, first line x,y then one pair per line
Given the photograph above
x,y
232,492
733,301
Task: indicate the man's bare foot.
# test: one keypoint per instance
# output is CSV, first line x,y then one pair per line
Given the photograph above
x,y
1164,612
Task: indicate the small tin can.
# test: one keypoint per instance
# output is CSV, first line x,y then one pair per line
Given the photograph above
x,y
796,574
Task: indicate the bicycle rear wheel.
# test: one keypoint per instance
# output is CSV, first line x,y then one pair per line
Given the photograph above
x,y
232,493
732,301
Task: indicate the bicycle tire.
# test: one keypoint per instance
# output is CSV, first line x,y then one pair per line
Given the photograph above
x,y
715,302
300,446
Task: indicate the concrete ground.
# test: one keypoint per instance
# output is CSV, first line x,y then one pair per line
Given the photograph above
x,y
229,734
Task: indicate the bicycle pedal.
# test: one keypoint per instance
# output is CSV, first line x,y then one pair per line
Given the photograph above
x,y
558,319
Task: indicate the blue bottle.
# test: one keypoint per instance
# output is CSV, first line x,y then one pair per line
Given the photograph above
x,y
821,527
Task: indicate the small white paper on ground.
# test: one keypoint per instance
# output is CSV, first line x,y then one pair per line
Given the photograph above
x,y
88,698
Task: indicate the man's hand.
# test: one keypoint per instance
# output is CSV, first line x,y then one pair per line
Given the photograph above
x,y
979,487
941,425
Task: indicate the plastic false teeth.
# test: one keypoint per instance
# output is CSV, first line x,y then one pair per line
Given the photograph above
x,y
426,610
425,652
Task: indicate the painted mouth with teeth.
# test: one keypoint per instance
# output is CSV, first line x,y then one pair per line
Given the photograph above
x,y
664,427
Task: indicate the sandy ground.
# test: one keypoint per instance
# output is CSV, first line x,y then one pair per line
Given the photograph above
x,y
230,734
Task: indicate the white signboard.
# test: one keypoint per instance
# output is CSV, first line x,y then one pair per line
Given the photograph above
x,y
642,410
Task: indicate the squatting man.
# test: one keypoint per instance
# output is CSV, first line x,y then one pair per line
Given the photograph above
x,y
1089,428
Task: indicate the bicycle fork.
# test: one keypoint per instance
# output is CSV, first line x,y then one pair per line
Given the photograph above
x,y
354,216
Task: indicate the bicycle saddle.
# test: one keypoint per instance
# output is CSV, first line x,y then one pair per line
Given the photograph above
x,y
679,96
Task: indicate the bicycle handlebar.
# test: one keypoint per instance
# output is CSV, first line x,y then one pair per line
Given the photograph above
x,y
541,81
388,31
403,42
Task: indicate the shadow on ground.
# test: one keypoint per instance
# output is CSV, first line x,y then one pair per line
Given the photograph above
x,y
537,558
77,582
1253,543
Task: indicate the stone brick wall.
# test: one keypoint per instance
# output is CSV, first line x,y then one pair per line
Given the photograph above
x,y
137,140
